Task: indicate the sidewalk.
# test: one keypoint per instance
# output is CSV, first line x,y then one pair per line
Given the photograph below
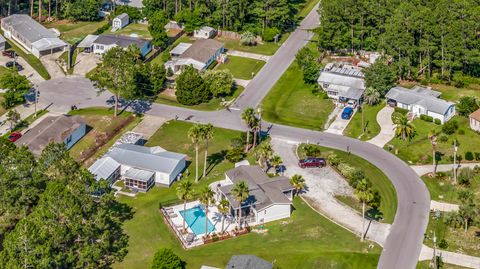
x,y
444,207
387,132
425,169
451,258
250,55
24,111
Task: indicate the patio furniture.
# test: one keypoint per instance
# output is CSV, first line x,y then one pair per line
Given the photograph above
x,y
172,216
190,238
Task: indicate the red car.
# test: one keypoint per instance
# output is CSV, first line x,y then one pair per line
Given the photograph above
x,y
14,136
312,162
8,53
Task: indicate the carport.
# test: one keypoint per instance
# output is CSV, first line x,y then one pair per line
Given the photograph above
x,y
87,43
47,46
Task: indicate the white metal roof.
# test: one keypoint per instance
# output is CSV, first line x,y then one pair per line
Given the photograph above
x,y
87,42
48,43
104,168
180,48
142,175
424,99
341,79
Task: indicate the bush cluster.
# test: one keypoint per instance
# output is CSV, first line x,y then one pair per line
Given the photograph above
x,y
426,118
450,127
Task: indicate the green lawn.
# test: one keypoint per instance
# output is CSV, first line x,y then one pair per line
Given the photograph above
x,y
266,48
442,189
73,32
2,109
306,240
213,104
379,181
419,149
449,92
426,265
141,30
102,124
291,102
33,61
241,67
372,128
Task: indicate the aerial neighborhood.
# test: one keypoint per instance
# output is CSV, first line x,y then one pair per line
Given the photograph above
x,y
240,134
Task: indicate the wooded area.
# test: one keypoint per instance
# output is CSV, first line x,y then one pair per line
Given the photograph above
x,y
430,38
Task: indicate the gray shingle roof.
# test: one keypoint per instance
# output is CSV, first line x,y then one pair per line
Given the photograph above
x,y
152,159
28,27
264,191
120,40
53,129
248,262
424,98
202,50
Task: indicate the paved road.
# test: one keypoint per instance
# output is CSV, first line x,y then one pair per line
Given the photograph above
x,y
403,245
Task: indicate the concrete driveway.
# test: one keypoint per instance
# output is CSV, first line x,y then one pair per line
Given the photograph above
x,y
387,132
53,68
27,71
85,62
339,124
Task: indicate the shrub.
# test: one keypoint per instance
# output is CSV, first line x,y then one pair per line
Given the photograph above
x,y
477,156
346,170
443,244
469,156
270,33
311,150
443,138
401,110
437,121
165,258
235,155
426,118
237,143
461,132
248,39
355,177
450,127
465,175
333,160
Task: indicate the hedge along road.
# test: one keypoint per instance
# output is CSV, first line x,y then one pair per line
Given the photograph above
x,y
402,249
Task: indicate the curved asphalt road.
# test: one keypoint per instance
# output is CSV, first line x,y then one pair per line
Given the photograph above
x,y
403,245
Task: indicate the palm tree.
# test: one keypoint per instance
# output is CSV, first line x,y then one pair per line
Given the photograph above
x,y
371,96
433,140
240,192
263,154
224,209
365,195
248,116
185,192
276,161
403,127
195,133
207,134
255,125
298,183
206,198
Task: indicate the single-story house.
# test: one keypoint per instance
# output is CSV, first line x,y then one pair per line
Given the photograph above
x,y
31,35
342,83
248,262
3,43
205,32
87,43
475,120
421,101
132,3
200,55
270,198
173,25
139,166
120,21
53,129
105,42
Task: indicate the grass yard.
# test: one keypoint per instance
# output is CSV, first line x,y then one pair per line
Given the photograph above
x,y
372,128
2,109
241,67
291,102
306,240
73,32
379,181
419,149
139,29
450,92
426,265
102,131
267,48
456,238
213,104
442,189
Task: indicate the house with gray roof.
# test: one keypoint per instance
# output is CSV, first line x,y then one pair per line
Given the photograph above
x,y
270,198
248,262
342,82
200,55
120,22
205,32
31,35
139,166
54,129
105,42
421,101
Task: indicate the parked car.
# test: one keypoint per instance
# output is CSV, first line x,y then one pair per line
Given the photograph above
x,y
347,113
11,64
8,53
312,162
14,136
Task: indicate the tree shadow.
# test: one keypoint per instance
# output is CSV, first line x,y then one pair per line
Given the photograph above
x,y
374,214
215,159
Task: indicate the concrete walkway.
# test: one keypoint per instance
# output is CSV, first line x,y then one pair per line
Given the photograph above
x,y
425,169
339,124
451,257
387,132
444,207
250,55
322,186
149,125
241,82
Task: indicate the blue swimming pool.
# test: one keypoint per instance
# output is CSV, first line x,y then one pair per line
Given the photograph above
x,y
195,218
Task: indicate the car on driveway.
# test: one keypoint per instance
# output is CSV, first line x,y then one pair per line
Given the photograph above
x,y
14,136
312,162
11,64
347,113
8,53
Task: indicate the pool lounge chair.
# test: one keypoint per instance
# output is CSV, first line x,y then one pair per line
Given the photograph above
x,y
190,238
172,216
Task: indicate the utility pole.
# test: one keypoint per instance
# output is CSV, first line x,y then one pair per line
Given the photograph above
x,y
259,110
434,251
455,148
35,90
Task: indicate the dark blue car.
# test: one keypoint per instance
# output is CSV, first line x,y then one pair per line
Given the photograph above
x,y
347,113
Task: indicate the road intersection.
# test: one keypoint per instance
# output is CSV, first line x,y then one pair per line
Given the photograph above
x,y
403,245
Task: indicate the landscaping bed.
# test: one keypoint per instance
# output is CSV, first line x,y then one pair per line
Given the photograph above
x,y
419,149
102,131
372,128
241,67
